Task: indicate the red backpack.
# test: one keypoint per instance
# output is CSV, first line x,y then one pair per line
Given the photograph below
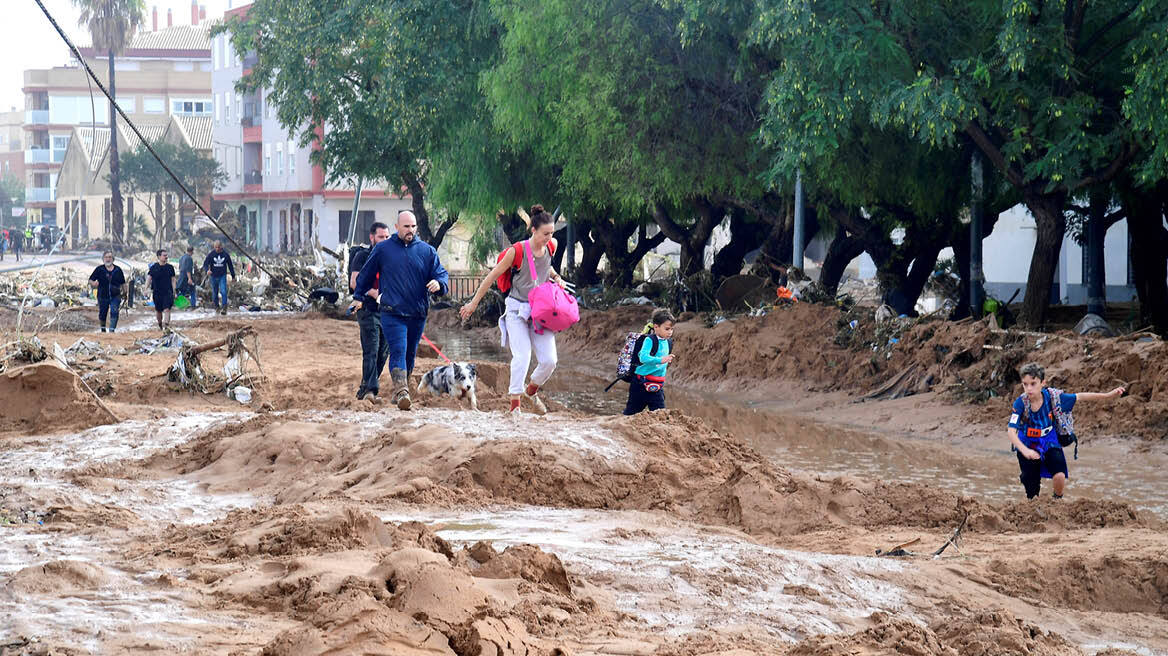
x,y
503,282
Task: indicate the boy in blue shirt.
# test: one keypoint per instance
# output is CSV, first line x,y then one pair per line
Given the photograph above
x,y
1033,431
647,389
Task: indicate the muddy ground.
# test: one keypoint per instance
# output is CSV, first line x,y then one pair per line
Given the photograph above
x,y
744,520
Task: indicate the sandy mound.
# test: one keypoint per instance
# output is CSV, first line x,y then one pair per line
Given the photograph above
x,y
58,576
1119,582
995,633
653,461
45,397
360,586
818,347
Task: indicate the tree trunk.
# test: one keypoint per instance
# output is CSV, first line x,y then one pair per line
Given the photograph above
x,y
587,267
116,219
418,206
622,262
1095,274
1149,254
692,240
959,241
843,249
745,235
1052,226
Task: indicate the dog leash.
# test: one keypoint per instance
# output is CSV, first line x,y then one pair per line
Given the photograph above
x,y
436,350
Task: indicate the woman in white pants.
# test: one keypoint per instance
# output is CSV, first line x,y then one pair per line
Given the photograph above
x,y
518,333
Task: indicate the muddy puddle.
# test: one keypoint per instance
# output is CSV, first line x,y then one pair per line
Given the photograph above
x,y
677,577
981,467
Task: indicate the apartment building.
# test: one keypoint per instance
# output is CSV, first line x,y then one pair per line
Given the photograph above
x,y
273,186
165,71
83,192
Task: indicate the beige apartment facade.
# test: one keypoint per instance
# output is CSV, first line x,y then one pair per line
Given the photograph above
x,y
163,73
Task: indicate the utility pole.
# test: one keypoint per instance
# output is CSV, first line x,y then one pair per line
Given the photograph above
x,y
797,254
976,212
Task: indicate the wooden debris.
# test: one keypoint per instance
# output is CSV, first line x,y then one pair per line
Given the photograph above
x,y
953,538
188,373
898,550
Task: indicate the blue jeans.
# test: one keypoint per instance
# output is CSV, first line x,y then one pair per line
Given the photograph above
x,y
108,305
402,335
219,290
374,350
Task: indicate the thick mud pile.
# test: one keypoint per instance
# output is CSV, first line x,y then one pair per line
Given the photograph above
x,y
316,524
662,461
819,347
44,397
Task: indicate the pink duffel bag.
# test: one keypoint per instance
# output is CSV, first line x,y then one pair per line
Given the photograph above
x,y
552,308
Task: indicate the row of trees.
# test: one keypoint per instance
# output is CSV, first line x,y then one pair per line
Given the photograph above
x,y
682,113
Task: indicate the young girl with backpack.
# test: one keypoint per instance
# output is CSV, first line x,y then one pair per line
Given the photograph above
x,y
653,356
518,332
1039,417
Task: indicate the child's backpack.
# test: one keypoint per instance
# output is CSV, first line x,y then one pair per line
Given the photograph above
x,y
628,360
503,282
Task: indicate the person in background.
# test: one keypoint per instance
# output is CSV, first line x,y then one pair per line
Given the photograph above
x,y
654,354
108,279
17,238
162,286
374,348
1034,429
218,265
186,276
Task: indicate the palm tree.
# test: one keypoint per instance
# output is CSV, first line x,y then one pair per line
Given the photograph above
x,y
111,24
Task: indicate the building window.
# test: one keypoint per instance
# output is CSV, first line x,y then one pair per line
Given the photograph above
x,y
205,66
239,105
267,159
238,162
128,104
227,107
60,143
291,160
184,67
186,107
153,105
279,159
124,65
218,108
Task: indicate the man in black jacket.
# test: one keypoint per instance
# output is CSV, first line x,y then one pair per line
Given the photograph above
x,y
374,348
218,264
108,279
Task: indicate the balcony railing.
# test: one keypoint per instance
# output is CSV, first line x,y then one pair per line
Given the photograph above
x,y
250,61
38,156
249,120
36,117
253,178
39,194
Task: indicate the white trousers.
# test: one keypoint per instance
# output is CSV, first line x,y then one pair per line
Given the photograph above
x,y
521,337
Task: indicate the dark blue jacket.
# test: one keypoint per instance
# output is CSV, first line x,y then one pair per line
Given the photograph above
x,y
404,269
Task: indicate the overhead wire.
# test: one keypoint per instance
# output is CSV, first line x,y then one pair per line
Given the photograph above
x,y
146,143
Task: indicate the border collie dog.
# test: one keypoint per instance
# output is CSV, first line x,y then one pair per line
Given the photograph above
x,y
456,379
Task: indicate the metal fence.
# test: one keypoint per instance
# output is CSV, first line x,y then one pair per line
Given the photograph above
x,y
463,284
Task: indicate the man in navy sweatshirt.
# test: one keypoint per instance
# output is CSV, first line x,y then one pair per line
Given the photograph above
x,y
408,271
218,263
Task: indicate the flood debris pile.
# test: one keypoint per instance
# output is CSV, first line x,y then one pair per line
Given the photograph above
x,y
242,368
60,288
